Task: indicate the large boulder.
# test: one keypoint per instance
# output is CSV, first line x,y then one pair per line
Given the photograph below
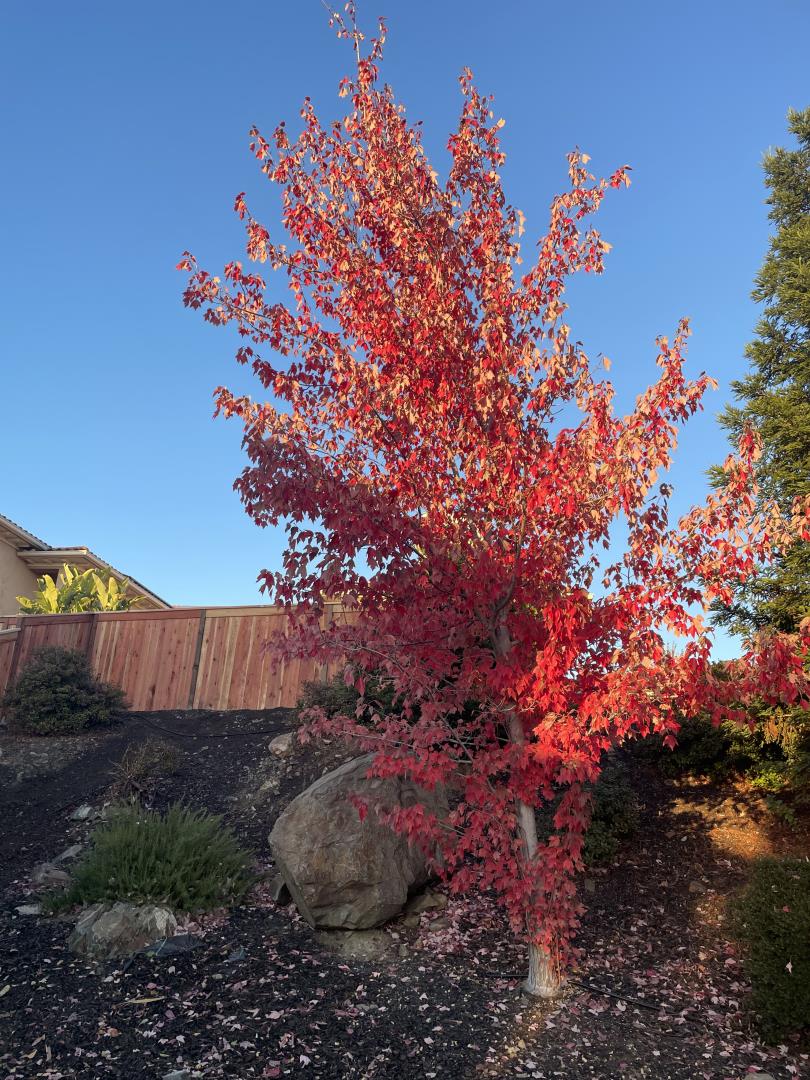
x,y
344,873
104,932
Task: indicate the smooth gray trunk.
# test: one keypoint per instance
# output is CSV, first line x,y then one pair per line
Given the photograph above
x,y
543,979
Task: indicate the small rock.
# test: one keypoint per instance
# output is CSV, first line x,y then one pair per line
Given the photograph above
x,y
173,946
82,813
696,887
403,951
411,921
426,901
442,923
69,853
178,1074
105,932
49,876
282,744
759,1076
237,955
589,885
272,785
29,909
356,944
279,891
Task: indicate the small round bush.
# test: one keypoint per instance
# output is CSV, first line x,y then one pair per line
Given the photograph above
x,y
773,919
56,693
185,859
334,697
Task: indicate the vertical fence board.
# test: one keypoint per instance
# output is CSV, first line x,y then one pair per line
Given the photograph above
x,y
8,643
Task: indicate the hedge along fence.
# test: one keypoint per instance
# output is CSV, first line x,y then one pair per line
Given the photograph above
x,y
181,658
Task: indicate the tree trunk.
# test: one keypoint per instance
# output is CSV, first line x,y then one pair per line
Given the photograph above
x,y
543,979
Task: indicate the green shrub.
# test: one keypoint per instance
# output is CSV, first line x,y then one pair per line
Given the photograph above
x,y
773,919
334,697
704,749
184,858
57,694
614,816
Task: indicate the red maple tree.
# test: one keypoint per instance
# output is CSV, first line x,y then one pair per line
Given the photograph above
x,y
415,449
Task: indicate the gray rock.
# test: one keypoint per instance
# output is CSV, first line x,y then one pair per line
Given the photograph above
x,y
105,932
178,1074
426,901
279,891
357,944
173,946
282,744
69,853
442,923
82,813
29,909
344,873
49,876
697,887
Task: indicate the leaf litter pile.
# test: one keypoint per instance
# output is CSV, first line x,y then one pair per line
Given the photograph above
x,y
660,991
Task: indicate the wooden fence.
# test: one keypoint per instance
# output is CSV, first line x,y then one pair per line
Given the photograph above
x,y
181,658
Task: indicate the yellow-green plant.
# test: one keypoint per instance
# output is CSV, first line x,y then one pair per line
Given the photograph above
x,y
112,595
77,591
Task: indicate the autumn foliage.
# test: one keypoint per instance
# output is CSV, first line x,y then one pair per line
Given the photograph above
x,y
447,462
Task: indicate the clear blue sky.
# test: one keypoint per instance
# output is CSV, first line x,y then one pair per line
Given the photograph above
x,y
124,137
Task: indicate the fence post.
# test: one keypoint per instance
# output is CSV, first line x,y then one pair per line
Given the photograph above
x,y
91,640
197,654
15,660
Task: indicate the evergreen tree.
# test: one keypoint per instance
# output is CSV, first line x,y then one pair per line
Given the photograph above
x,y
774,396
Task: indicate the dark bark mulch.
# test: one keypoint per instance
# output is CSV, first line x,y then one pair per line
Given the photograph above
x,y
660,992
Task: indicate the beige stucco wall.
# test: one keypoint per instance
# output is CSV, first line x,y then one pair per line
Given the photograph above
x,y
15,580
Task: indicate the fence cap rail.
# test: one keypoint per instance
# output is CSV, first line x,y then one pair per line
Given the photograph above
x,y
158,614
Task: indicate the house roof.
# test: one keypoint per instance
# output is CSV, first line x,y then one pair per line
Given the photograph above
x,y
42,558
19,537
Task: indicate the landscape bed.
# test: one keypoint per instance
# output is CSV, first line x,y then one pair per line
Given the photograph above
x,y
660,991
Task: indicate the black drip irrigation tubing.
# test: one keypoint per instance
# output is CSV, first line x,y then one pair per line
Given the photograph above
x,y
214,734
